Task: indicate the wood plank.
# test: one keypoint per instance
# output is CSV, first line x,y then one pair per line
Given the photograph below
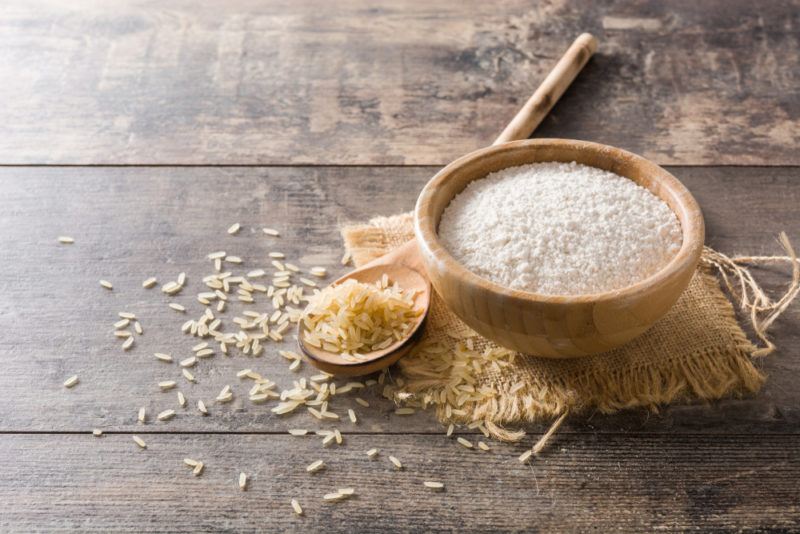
x,y
603,483
400,82
132,223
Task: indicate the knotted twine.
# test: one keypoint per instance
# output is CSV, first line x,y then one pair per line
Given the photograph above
x,y
697,351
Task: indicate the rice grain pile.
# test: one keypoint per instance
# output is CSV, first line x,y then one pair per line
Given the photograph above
x,y
353,318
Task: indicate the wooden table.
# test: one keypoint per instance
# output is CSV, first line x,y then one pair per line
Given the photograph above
x,y
145,129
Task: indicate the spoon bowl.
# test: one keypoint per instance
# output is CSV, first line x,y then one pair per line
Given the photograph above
x,y
404,267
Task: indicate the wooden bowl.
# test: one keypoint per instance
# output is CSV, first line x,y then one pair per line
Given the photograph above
x,y
548,325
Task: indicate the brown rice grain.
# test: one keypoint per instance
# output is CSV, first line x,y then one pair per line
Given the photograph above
x,y
150,282
466,443
71,381
296,507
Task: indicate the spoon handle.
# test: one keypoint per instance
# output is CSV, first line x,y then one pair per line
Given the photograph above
x,y
406,255
553,86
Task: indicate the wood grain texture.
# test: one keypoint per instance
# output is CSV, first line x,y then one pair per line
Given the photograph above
x,y
132,223
398,82
556,326
638,483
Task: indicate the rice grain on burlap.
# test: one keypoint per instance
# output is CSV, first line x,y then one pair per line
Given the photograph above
x,y
697,351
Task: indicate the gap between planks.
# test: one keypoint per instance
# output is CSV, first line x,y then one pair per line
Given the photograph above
x,y
632,435
340,165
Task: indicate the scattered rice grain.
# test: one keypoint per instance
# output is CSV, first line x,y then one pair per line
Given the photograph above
x,y
466,443
166,415
189,362
150,282
315,466
167,385
163,357
296,507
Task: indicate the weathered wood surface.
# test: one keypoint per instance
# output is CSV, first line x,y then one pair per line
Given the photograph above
x,y
637,484
132,223
395,82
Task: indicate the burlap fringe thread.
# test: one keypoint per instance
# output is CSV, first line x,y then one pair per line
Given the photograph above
x,y
621,393
761,310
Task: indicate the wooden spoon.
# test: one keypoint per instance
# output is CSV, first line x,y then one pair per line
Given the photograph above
x,y
404,264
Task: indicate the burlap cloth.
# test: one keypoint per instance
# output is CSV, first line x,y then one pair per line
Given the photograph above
x,y
697,351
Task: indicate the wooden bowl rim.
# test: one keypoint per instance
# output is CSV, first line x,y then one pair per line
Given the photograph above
x,y
692,230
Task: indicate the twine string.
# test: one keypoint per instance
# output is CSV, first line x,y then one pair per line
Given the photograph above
x,y
760,308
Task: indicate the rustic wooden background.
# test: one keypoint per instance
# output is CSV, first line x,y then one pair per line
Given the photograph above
x,y
144,129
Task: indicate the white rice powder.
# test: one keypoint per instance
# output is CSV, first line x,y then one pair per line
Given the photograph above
x,y
560,229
